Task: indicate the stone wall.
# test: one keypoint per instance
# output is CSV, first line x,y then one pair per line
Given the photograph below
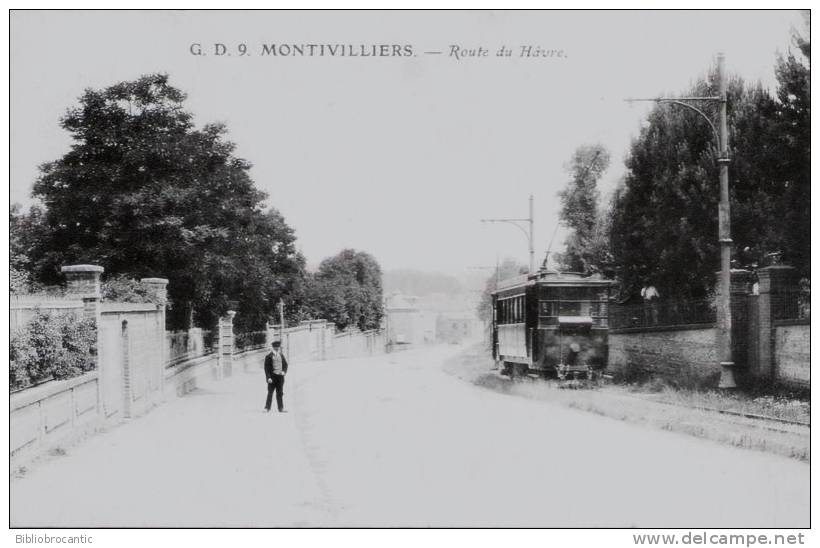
x,y
318,340
42,417
792,352
135,372
682,354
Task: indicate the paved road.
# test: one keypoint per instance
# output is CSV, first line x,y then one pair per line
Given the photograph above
x,y
394,441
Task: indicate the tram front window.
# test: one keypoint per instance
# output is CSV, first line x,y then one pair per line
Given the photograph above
x,y
573,308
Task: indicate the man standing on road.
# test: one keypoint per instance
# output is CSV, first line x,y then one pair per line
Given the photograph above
x,y
275,368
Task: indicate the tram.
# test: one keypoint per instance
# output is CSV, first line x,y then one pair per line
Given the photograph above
x,y
552,324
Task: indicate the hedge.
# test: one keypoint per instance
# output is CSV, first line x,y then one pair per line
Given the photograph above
x,y
52,345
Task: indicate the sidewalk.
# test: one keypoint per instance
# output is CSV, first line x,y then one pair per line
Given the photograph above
x,y
210,459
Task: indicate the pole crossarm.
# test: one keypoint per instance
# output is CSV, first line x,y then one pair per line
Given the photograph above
x,y
528,232
682,101
513,222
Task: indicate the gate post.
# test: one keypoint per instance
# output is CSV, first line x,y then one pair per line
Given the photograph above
x,y
740,288
224,365
159,286
777,283
83,282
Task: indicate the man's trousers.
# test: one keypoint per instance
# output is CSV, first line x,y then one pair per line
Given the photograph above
x,y
277,385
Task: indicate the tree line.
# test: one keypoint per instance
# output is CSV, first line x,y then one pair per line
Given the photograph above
x,y
144,193
661,222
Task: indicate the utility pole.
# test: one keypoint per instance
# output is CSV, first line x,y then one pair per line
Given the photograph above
x,y
281,306
721,134
727,376
528,232
532,233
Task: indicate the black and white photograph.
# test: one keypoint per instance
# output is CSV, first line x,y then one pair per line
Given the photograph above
x,y
508,269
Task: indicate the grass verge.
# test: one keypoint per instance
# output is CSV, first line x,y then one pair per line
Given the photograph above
x,y
686,412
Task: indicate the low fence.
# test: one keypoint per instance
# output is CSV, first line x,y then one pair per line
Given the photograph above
x,y
354,344
791,304
188,345
45,415
662,313
254,340
677,339
318,340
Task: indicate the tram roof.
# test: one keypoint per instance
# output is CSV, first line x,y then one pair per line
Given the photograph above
x,y
542,277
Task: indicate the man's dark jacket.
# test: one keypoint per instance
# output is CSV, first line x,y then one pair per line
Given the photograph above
x,y
269,365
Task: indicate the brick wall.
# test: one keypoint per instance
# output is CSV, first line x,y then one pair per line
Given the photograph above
x,y
792,352
685,354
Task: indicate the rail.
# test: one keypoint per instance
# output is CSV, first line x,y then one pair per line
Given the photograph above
x,y
187,345
662,314
251,340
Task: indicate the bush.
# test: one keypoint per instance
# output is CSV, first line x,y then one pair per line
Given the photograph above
x,y
122,289
51,346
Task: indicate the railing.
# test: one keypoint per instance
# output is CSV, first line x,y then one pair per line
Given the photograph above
x,y
187,345
662,313
791,305
252,340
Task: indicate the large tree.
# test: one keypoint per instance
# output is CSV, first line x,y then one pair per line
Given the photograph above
x,y
794,143
347,290
143,192
664,218
586,247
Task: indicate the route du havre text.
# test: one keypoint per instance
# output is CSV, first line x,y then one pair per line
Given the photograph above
x,y
528,52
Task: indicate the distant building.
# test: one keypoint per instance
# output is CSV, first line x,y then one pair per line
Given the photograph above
x,y
411,320
403,320
456,327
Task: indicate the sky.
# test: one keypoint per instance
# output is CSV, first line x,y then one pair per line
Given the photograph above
x,y
398,156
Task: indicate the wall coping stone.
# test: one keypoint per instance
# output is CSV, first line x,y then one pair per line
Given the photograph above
x,y
177,368
111,308
154,280
796,321
82,268
29,396
655,329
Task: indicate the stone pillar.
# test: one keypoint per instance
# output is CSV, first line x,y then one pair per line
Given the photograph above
x,y
159,287
127,396
225,351
777,285
740,289
83,282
